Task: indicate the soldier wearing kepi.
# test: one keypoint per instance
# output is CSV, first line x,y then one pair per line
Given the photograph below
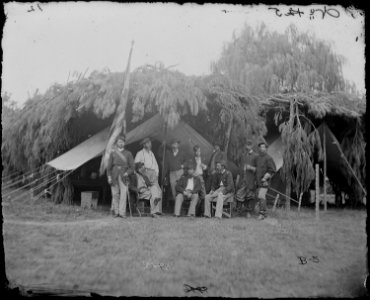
x,y
245,182
265,168
120,166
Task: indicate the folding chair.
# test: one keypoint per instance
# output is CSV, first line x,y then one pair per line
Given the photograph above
x,y
227,207
143,207
185,206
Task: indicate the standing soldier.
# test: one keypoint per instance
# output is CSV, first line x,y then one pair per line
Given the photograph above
x,y
265,168
174,164
120,166
246,180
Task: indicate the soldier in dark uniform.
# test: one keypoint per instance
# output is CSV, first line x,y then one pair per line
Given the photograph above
x,y
120,166
246,180
265,168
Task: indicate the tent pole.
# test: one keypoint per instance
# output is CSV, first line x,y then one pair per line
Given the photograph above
x,y
325,167
317,191
275,201
163,159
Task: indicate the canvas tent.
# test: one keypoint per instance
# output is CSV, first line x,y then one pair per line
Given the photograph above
x,y
335,160
154,128
275,150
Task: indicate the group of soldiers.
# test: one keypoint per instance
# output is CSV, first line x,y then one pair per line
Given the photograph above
x,y
190,179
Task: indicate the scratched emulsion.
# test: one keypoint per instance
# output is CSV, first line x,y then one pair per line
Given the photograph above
x,y
229,72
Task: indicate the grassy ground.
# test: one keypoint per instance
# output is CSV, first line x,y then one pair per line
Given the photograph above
x,y
61,247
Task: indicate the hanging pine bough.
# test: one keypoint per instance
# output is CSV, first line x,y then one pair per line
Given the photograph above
x,y
170,93
235,111
301,142
354,151
68,191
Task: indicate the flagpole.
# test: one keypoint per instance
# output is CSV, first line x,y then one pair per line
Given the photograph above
x,y
119,121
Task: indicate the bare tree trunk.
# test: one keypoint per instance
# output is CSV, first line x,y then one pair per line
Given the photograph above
x,y
288,181
228,134
317,185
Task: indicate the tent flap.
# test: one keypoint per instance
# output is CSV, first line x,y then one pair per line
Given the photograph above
x,y
82,153
154,128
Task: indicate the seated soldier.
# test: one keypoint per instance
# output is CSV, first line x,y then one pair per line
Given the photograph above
x,y
188,187
222,189
200,171
146,189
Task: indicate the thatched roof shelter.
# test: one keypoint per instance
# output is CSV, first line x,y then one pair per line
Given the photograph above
x,y
321,104
221,111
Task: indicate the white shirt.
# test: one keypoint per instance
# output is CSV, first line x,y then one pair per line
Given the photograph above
x,y
148,158
221,183
198,169
190,185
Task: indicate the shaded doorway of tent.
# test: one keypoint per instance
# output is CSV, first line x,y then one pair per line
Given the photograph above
x,y
86,179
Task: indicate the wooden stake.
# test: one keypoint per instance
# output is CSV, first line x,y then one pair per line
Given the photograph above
x,y
275,202
287,193
325,166
299,202
317,191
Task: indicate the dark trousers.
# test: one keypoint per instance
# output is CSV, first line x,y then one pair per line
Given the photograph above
x,y
247,196
261,194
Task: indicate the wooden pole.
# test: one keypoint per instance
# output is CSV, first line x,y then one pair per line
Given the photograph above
x,y
119,122
317,191
228,133
288,181
299,202
275,202
325,166
287,193
163,161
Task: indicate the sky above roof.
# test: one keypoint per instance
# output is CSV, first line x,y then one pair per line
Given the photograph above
x,y
52,42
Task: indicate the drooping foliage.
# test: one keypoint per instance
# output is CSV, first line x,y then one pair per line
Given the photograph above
x,y
8,116
269,62
231,108
170,93
300,139
353,146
